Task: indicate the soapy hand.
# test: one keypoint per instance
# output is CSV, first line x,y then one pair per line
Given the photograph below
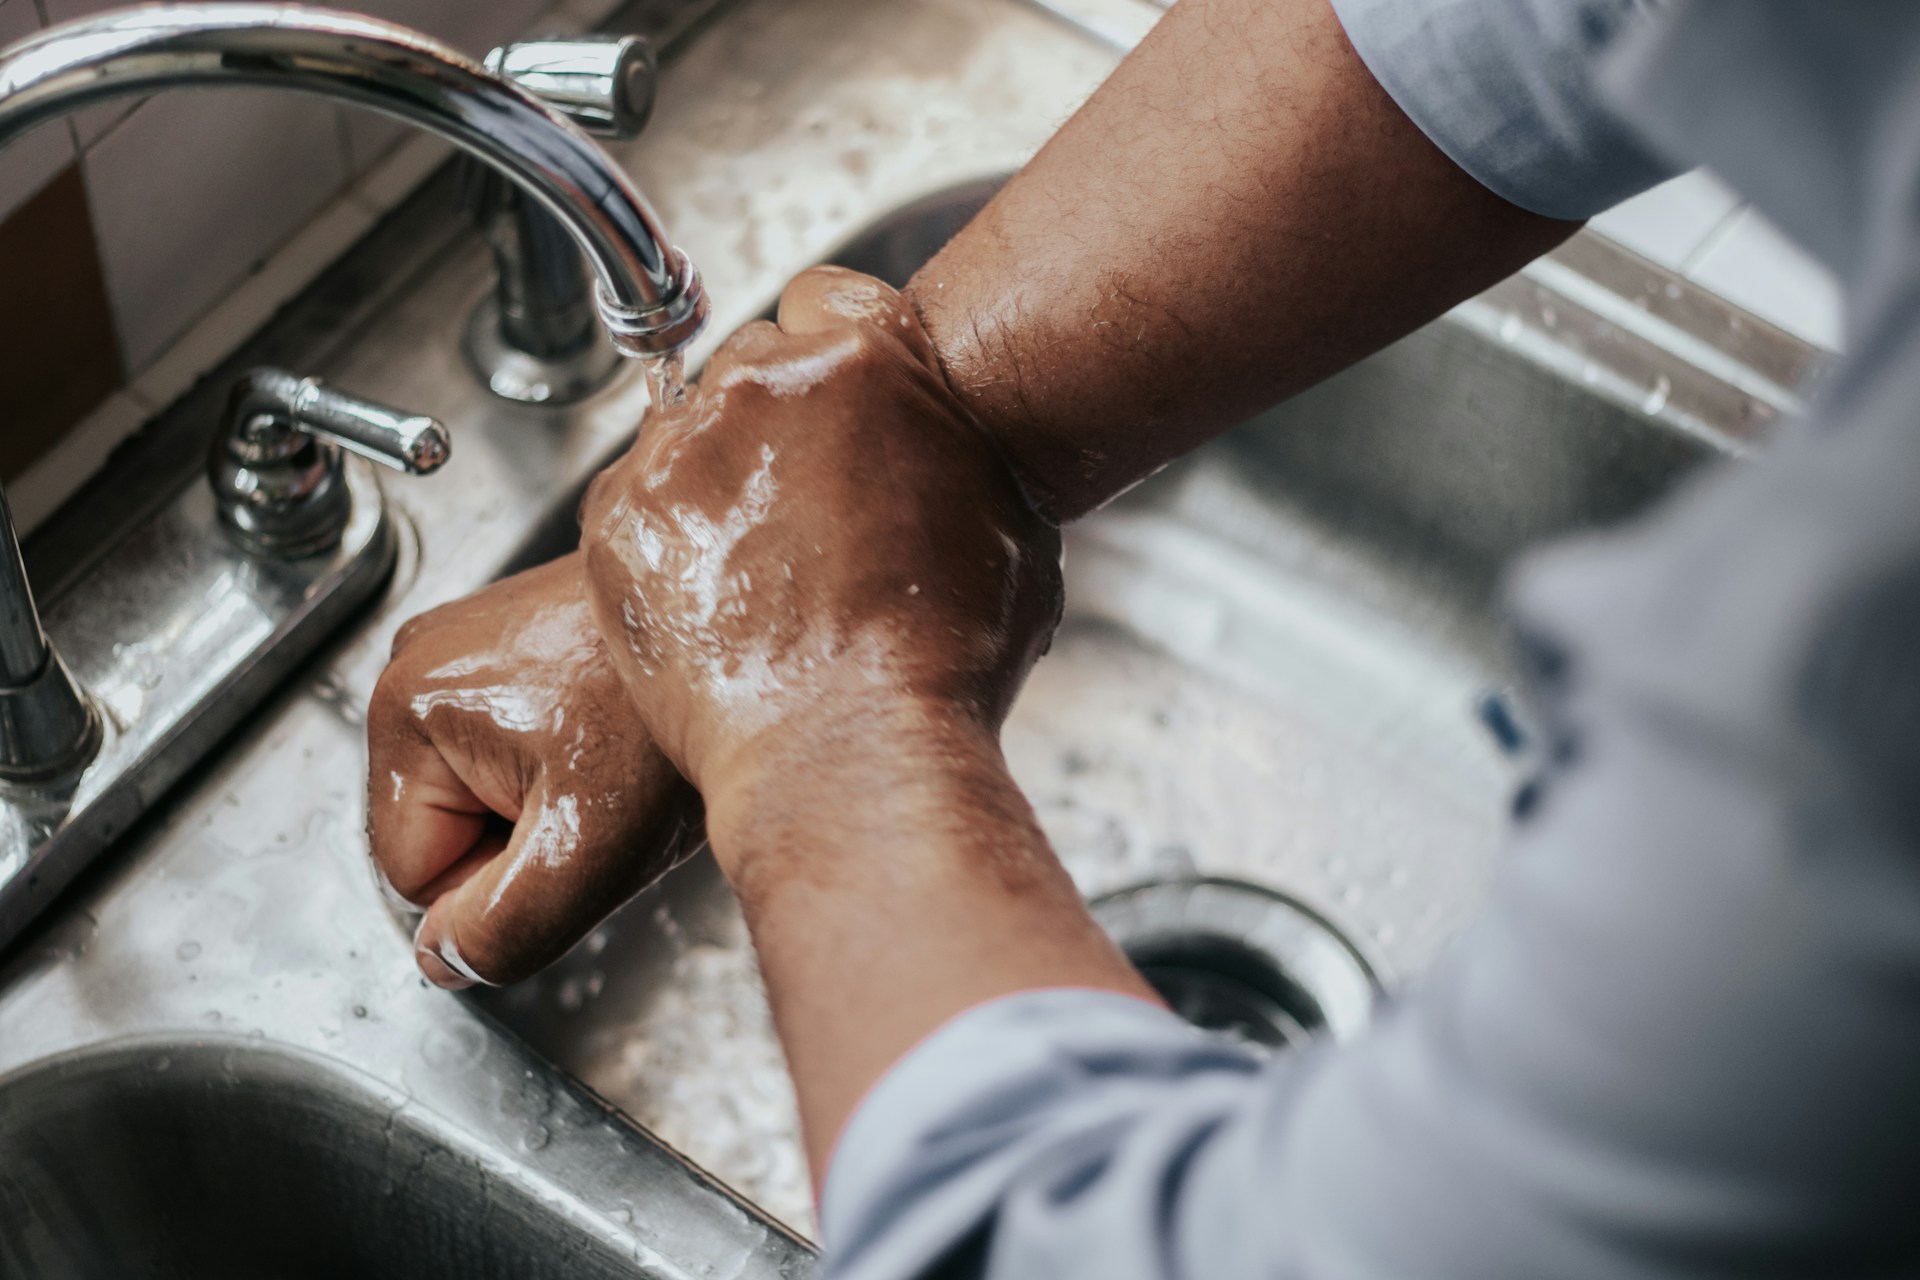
x,y
818,537
513,792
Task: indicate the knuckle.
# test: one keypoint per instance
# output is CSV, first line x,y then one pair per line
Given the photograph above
x,y
409,632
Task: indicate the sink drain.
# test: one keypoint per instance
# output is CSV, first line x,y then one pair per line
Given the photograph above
x,y
1241,959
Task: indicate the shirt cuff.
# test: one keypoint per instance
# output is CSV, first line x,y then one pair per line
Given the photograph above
x,y
922,1158
1506,88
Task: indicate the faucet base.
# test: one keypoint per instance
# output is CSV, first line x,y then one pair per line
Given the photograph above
x,y
520,376
47,727
175,634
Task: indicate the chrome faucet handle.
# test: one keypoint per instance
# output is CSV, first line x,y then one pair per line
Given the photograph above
x,y
603,83
276,464
536,338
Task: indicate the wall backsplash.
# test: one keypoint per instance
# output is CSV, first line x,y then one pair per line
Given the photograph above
x,y
126,230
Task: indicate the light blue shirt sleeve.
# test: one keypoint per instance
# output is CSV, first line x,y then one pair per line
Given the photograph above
x,y
1681,1043
1507,89
1684,1037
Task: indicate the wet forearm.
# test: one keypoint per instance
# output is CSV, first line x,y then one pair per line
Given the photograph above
x,y
893,876
1237,213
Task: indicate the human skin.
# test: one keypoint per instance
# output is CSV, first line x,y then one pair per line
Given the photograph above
x,y
823,587
1237,213
514,796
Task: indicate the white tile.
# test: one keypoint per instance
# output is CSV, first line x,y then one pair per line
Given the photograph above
x,y
581,15
68,10
196,189
1671,221
31,161
58,474
90,124
18,20
1755,266
369,137
242,313
394,178
471,26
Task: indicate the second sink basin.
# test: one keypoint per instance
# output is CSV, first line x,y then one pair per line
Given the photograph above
x,y
219,1158
1282,662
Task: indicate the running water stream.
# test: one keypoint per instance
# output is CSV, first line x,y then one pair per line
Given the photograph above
x,y
666,380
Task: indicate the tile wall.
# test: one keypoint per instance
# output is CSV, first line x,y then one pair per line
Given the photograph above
x,y
142,241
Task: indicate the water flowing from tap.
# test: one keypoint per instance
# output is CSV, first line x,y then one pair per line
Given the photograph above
x,y
667,380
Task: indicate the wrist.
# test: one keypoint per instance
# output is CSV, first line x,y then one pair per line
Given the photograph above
x,y
899,763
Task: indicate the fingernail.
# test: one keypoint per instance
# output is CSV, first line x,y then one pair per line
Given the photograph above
x,y
441,962
438,973
393,896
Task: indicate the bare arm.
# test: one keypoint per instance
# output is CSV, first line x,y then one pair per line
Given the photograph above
x,y
1237,213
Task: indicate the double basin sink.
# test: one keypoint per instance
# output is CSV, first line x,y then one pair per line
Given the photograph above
x,y
1282,667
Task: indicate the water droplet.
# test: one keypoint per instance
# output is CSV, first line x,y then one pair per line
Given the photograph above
x,y
187,950
359,1011
1656,399
538,1137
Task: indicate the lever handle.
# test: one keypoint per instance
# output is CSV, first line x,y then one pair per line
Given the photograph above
x,y
604,84
272,407
279,491
409,442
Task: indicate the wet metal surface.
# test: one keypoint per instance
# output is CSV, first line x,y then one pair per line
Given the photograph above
x,y
1270,669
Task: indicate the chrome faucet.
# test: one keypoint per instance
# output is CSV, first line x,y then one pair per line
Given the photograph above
x,y
534,337
174,633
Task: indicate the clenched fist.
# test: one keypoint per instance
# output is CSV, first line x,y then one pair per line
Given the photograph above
x,y
513,792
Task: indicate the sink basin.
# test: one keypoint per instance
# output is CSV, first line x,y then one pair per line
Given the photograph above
x,y
219,1158
1282,662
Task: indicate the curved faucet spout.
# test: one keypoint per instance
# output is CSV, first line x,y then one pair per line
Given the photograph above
x,y
649,294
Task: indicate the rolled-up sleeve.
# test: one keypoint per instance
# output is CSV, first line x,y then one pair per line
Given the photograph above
x,y
1061,1114
1506,88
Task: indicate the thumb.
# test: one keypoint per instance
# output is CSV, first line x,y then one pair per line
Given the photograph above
x,y
823,299
558,876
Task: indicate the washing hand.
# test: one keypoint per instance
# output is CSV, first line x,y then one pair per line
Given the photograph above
x,y
513,792
823,588
818,543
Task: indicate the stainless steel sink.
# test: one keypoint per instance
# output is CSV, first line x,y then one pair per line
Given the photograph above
x,y
1282,662
218,1157
1273,671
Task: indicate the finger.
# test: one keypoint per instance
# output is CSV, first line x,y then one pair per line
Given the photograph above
x,y
556,879
422,817
826,298
748,347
